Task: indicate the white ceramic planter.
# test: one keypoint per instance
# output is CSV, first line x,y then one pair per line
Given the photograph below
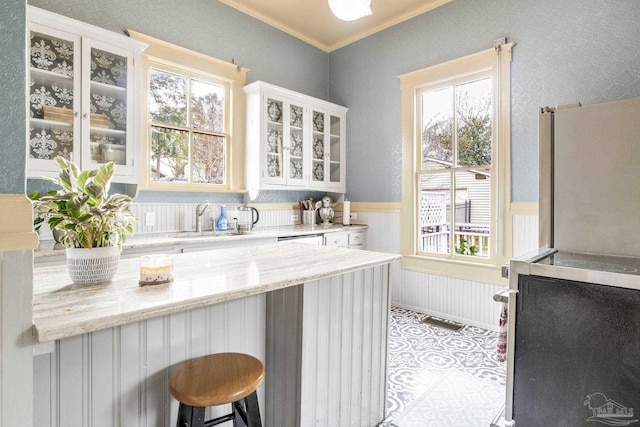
x,y
92,266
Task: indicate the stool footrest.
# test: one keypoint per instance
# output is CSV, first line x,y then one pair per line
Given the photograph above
x,y
245,409
219,420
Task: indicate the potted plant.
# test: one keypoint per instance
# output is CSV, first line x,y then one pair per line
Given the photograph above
x,y
93,224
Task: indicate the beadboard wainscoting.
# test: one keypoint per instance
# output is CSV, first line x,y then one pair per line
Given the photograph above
x,y
120,376
171,217
464,301
331,338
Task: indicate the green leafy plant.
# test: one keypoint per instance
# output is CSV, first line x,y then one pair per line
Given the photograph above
x,y
83,210
463,249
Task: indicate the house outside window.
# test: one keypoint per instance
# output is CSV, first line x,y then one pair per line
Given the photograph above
x,y
193,120
456,187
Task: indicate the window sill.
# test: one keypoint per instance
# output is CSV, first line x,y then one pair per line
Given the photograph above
x,y
485,273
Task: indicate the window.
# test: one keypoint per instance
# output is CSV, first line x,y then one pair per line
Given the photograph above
x,y
193,120
188,128
456,174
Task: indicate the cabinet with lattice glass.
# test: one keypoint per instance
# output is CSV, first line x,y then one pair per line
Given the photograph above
x,y
81,96
293,141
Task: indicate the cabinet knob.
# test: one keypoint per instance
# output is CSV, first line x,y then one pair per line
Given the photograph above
x,y
85,116
76,114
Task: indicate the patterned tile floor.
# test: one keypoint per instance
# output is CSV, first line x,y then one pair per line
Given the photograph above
x,y
439,377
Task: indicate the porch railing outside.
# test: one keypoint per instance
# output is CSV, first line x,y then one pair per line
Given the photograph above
x,y
435,238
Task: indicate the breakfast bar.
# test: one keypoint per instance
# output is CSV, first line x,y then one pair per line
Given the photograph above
x,y
316,316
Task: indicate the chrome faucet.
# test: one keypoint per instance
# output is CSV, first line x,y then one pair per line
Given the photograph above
x,y
199,211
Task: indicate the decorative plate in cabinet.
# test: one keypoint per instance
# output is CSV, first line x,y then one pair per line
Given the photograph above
x,y
318,148
318,122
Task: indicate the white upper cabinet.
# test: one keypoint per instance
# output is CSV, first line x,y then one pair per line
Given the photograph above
x,y
82,96
294,141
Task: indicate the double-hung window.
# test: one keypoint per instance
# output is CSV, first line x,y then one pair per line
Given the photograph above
x,y
456,171
188,126
193,120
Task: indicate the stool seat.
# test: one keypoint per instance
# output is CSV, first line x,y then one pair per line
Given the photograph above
x,y
216,379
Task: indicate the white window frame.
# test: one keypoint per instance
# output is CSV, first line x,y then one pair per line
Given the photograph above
x,y
174,59
495,62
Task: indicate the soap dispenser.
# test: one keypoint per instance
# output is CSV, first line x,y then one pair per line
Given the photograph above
x,y
222,224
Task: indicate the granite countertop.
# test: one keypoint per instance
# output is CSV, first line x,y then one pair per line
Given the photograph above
x,y
61,309
49,248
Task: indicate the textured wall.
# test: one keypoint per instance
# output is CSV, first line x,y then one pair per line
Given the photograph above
x,y
214,29
566,51
570,50
12,104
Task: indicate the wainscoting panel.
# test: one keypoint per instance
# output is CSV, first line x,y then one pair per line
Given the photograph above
x,y
344,325
465,301
354,394
171,217
525,234
120,376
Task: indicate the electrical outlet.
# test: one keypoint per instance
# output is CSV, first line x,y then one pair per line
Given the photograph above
x,y
150,219
353,215
294,218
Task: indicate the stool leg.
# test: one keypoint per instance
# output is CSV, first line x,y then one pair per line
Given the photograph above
x,y
190,416
252,410
239,414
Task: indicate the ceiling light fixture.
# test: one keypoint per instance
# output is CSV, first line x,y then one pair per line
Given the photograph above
x,y
350,10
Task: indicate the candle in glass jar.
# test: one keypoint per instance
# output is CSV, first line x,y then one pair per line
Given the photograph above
x,y
156,269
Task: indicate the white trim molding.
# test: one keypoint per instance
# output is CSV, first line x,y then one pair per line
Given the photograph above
x,y
497,63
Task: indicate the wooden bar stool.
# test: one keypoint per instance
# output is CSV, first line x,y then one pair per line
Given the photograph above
x,y
218,379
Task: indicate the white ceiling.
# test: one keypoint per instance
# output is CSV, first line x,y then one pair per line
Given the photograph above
x,y
313,22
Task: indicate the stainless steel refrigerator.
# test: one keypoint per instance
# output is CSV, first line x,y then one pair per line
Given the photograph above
x,y
574,311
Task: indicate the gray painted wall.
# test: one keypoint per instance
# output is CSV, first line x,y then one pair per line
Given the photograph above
x,y
569,50
12,90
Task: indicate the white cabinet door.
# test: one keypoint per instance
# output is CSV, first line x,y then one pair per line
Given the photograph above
x,y
272,140
83,86
54,100
336,239
107,119
357,239
336,152
328,149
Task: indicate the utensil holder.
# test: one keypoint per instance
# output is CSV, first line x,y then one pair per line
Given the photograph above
x,y
309,217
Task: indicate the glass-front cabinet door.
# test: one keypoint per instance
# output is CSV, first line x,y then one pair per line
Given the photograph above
x,y
274,149
319,141
297,173
54,97
336,151
327,169
82,86
105,117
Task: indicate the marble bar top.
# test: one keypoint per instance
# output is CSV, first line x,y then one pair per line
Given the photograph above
x,y
48,248
62,309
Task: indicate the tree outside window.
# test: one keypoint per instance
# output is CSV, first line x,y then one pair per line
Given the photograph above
x,y
187,127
